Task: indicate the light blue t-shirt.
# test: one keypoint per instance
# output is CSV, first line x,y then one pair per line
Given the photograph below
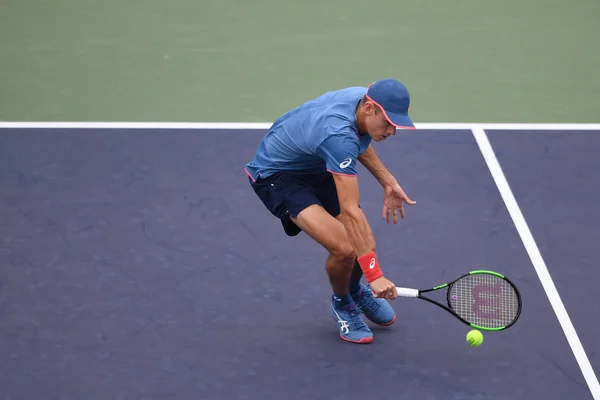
x,y
320,135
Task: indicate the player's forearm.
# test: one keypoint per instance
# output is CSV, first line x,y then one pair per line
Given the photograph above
x,y
358,230
372,162
363,241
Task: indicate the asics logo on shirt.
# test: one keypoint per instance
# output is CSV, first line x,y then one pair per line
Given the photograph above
x,y
345,163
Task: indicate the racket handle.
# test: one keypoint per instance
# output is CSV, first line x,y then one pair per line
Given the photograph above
x,y
406,292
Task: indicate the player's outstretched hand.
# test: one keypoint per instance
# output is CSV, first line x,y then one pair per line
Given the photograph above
x,y
393,199
383,288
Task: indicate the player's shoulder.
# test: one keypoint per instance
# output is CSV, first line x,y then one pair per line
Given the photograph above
x,y
350,91
338,109
331,113
335,99
346,97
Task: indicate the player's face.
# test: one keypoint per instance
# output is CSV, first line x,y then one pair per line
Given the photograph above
x,y
377,125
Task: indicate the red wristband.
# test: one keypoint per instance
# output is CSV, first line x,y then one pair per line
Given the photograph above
x,y
370,266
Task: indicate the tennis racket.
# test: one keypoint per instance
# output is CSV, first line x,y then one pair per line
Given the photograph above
x,y
484,300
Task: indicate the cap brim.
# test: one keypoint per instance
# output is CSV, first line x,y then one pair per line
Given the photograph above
x,y
401,121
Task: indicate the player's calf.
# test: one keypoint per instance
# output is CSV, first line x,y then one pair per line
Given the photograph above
x,y
339,268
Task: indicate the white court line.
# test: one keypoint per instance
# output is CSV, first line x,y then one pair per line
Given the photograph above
x,y
538,262
266,125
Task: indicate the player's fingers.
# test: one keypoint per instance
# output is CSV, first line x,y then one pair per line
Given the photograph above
x,y
386,293
391,293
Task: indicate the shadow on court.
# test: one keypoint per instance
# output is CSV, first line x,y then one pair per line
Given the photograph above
x,y
140,264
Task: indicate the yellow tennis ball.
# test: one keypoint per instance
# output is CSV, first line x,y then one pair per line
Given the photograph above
x,y
475,338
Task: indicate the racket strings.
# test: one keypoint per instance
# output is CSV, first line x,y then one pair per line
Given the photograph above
x,y
485,300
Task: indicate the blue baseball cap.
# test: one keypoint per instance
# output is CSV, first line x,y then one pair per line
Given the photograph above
x,y
393,99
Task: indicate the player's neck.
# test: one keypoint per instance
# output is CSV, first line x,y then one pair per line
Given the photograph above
x,y
362,130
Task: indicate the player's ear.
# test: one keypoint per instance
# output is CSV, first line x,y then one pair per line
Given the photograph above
x,y
370,108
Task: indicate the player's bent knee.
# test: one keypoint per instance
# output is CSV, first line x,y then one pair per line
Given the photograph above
x,y
316,222
343,252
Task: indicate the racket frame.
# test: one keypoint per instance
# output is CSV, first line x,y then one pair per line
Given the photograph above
x,y
416,293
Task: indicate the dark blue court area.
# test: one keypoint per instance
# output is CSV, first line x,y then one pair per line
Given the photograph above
x,y
139,264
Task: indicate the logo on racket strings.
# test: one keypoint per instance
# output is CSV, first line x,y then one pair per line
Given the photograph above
x,y
487,302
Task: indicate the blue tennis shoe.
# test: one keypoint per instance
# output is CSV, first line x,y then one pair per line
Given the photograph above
x,y
378,311
352,327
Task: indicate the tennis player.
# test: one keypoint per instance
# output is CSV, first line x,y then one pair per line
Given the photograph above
x,y
304,172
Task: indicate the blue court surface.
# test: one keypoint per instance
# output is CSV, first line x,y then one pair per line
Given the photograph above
x,y
137,263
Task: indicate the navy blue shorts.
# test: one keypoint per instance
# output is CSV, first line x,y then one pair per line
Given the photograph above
x,y
286,194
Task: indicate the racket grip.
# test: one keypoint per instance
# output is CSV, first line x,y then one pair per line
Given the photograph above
x,y
406,292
